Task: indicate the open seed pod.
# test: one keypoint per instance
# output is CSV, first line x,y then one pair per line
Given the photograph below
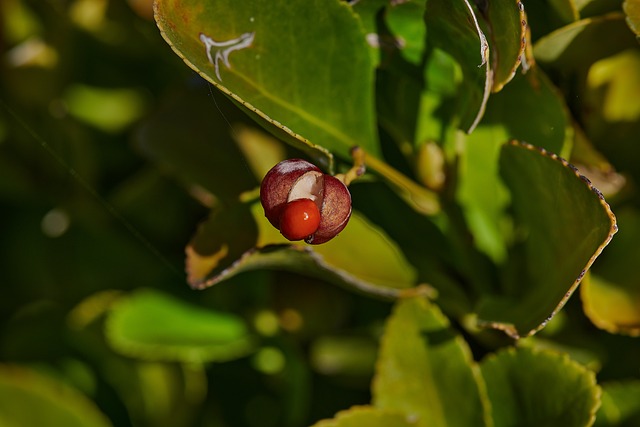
x,y
295,180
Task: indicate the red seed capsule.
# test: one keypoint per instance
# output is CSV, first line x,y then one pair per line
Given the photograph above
x,y
304,203
299,219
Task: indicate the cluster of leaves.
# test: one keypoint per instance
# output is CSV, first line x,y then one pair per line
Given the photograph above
x,y
468,219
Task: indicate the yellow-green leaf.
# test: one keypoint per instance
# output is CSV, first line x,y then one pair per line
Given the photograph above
x,y
539,388
422,367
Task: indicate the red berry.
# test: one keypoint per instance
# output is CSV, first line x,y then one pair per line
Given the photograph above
x,y
299,219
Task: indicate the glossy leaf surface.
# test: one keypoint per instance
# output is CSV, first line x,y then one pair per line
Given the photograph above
x,y
313,77
553,247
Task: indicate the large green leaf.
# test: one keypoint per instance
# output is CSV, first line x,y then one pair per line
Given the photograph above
x,y
452,25
422,367
539,388
303,66
562,223
154,326
28,398
361,416
362,256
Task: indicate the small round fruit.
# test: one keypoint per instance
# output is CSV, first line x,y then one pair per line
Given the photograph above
x,y
304,203
299,219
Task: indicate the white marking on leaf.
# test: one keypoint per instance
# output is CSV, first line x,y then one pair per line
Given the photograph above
x,y
220,51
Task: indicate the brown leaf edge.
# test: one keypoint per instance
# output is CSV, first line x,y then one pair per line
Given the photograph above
x,y
304,260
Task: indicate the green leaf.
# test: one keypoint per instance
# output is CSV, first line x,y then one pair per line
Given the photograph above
x,y
28,398
452,25
632,11
508,24
620,404
528,109
562,224
360,416
154,326
362,252
611,296
529,387
304,66
362,256
422,367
